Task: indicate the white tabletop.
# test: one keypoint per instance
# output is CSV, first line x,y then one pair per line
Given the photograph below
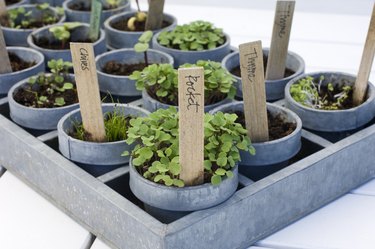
x,y
329,35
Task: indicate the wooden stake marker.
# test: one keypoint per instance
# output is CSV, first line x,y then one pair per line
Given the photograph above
x,y
280,40
191,121
3,8
88,90
254,91
96,11
5,66
360,86
155,15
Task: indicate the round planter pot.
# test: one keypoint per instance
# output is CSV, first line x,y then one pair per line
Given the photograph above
x,y
273,155
152,104
274,88
36,118
121,85
84,16
335,120
127,39
9,79
180,57
50,2
190,198
18,37
18,3
96,158
80,33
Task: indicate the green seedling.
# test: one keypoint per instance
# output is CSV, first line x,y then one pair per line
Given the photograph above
x,y
160,81
62,32
195,36
156,154
143,44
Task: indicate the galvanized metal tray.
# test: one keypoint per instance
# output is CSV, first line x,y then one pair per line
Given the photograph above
x,y
104,205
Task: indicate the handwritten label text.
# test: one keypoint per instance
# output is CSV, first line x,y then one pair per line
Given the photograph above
x,y
191,92
282,22
84,57
251,65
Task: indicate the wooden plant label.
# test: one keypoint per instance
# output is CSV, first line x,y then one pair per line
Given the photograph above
x,y
280,40
88,90
254,91
155,15
3,8
96,10
191,117
5,66
360,86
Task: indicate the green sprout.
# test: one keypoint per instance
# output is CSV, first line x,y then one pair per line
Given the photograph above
x,y
143,44
62,32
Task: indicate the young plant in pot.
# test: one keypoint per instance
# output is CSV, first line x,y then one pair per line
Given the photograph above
x,y
159,85
21,20
155,168
40,101
188,43
115,67
324,102
54,41
25,62
80,10
123,30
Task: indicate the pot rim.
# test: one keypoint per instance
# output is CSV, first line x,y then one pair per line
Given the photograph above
x,y
275,141
300,70
24,82
61,19
185,188
30,50
125,50
288,97
67,7
107,23
69,114
31,43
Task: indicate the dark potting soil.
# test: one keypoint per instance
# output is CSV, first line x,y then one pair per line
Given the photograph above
x,y
44,42
116,68
26,96
81,6
329,99
237,70
18,64
9,2
277,126
139,26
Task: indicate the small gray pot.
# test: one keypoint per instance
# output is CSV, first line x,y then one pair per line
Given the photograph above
x,y
27,54
152,104
127,39
97,157
121,85
84,16
189,198
18,37
80,33
270,156
274,88
180,57
36,118
50,2
335,120
19,3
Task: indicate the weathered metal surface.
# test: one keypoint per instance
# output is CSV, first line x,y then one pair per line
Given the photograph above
x,y
255,211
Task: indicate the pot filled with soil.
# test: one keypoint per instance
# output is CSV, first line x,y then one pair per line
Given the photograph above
x,y
24,62
40,101
98,157
159,85
198,40
295,66
10,3
23,19
115,67
120,35
323,101
284,128
155,167
53,41
80,10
